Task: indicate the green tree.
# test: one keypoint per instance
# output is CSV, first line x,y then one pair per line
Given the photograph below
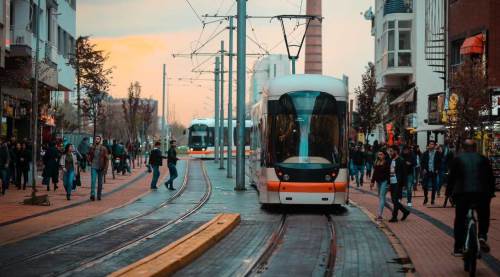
x,y
368,109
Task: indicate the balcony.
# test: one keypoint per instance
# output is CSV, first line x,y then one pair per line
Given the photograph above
x,y
398,6
51,52
21,42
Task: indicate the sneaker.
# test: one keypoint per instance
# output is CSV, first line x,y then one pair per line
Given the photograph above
x,y
405,215
484,246
425,201
171,188
457,253
379,218
92,198
68,197
410,204
393,220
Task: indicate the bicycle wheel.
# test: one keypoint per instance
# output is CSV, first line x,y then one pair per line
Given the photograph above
x,y
471,254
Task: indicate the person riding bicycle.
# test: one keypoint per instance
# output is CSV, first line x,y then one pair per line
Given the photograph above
x,y
471,184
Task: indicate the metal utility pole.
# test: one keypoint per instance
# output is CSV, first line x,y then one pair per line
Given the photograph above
x,y
221,164
240,104
293,65
230,104
216,110
163,137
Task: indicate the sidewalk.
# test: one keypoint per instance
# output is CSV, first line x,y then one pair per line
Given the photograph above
x,y
20,221
427,234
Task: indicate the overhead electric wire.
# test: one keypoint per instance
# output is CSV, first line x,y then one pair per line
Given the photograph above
x,y
195,12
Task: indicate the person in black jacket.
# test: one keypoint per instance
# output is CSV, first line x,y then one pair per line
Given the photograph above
x,y
471,183
397,179
24,163
155,161
172,162
51,169
358,162
4,164
410,161
431,163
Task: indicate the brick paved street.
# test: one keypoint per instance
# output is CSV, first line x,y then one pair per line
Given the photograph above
x,y
20,221
427,235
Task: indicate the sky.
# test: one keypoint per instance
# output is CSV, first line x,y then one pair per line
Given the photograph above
x,y
141,35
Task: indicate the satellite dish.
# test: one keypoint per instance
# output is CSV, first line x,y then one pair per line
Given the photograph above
x,y
369,14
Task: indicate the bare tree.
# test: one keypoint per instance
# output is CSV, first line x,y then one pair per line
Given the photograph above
x,y
66,118
369,111
471,100
147,116
131,108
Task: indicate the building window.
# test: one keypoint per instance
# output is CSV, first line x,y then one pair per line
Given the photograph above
x,y
397,44
455,57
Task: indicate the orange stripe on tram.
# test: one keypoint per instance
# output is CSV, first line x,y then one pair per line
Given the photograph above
x,y
276,186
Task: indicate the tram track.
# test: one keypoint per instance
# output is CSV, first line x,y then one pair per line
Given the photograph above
x,y
115,250
261,264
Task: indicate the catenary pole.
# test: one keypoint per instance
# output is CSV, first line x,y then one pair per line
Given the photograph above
x,y
216,110
163,144
222,135
240,104
230,103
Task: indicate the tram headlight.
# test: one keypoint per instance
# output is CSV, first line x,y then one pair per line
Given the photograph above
x,y
286,177
190,149
328,178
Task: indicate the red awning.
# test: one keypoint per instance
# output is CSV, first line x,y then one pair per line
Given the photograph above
x,y
473,45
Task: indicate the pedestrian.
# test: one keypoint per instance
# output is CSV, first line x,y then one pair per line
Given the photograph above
x,y
417,168
18,157
369,158
11,173
24,163
155,161
108,148
51,166
431,162
172,163
446,159
97,159
381,171
4,164
396,183
69,165
83,149
409,164
471,184
358,161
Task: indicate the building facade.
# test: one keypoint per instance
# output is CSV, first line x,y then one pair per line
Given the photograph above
x,y
404,77
56,37
4,27
264,70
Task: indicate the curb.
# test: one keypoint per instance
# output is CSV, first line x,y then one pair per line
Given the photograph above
x,y
180,253
393,240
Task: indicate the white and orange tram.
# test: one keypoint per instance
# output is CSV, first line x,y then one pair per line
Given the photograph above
x,y
299,141
201,138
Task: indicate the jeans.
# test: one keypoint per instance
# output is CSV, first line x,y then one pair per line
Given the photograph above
x,y
382,191
397,206
463,204
358,172
156,175
416,174
409,187
369,167
96,174
430,179
68,179
173,174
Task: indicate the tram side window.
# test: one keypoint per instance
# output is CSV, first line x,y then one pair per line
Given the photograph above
x,y
248,132
211,139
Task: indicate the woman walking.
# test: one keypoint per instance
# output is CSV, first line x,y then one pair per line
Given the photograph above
x,y
381,174
68,165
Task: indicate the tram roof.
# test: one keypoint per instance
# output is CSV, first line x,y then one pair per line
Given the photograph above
x,y
210,122
308,82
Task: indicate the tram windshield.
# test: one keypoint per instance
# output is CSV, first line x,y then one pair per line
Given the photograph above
x,y
200,136
307,127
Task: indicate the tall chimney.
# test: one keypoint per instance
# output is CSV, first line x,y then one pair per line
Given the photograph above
x,y
314,49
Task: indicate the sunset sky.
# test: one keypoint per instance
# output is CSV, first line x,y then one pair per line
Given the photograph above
x,y
141,35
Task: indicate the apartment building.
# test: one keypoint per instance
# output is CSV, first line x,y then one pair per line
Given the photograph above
x,y
56,42
404,77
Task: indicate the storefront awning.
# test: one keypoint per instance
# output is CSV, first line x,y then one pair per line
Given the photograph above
x,y
407,97
473,45
431,128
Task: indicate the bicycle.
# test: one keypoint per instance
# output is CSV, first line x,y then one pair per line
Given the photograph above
x,y
472,250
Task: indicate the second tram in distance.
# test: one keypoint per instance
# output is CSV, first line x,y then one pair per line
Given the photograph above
x,y
299,141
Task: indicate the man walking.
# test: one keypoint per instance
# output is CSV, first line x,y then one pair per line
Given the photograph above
x,y
431,162
4,165
172,162
155,161
358,161
471,184
397,180
83,149
98,158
